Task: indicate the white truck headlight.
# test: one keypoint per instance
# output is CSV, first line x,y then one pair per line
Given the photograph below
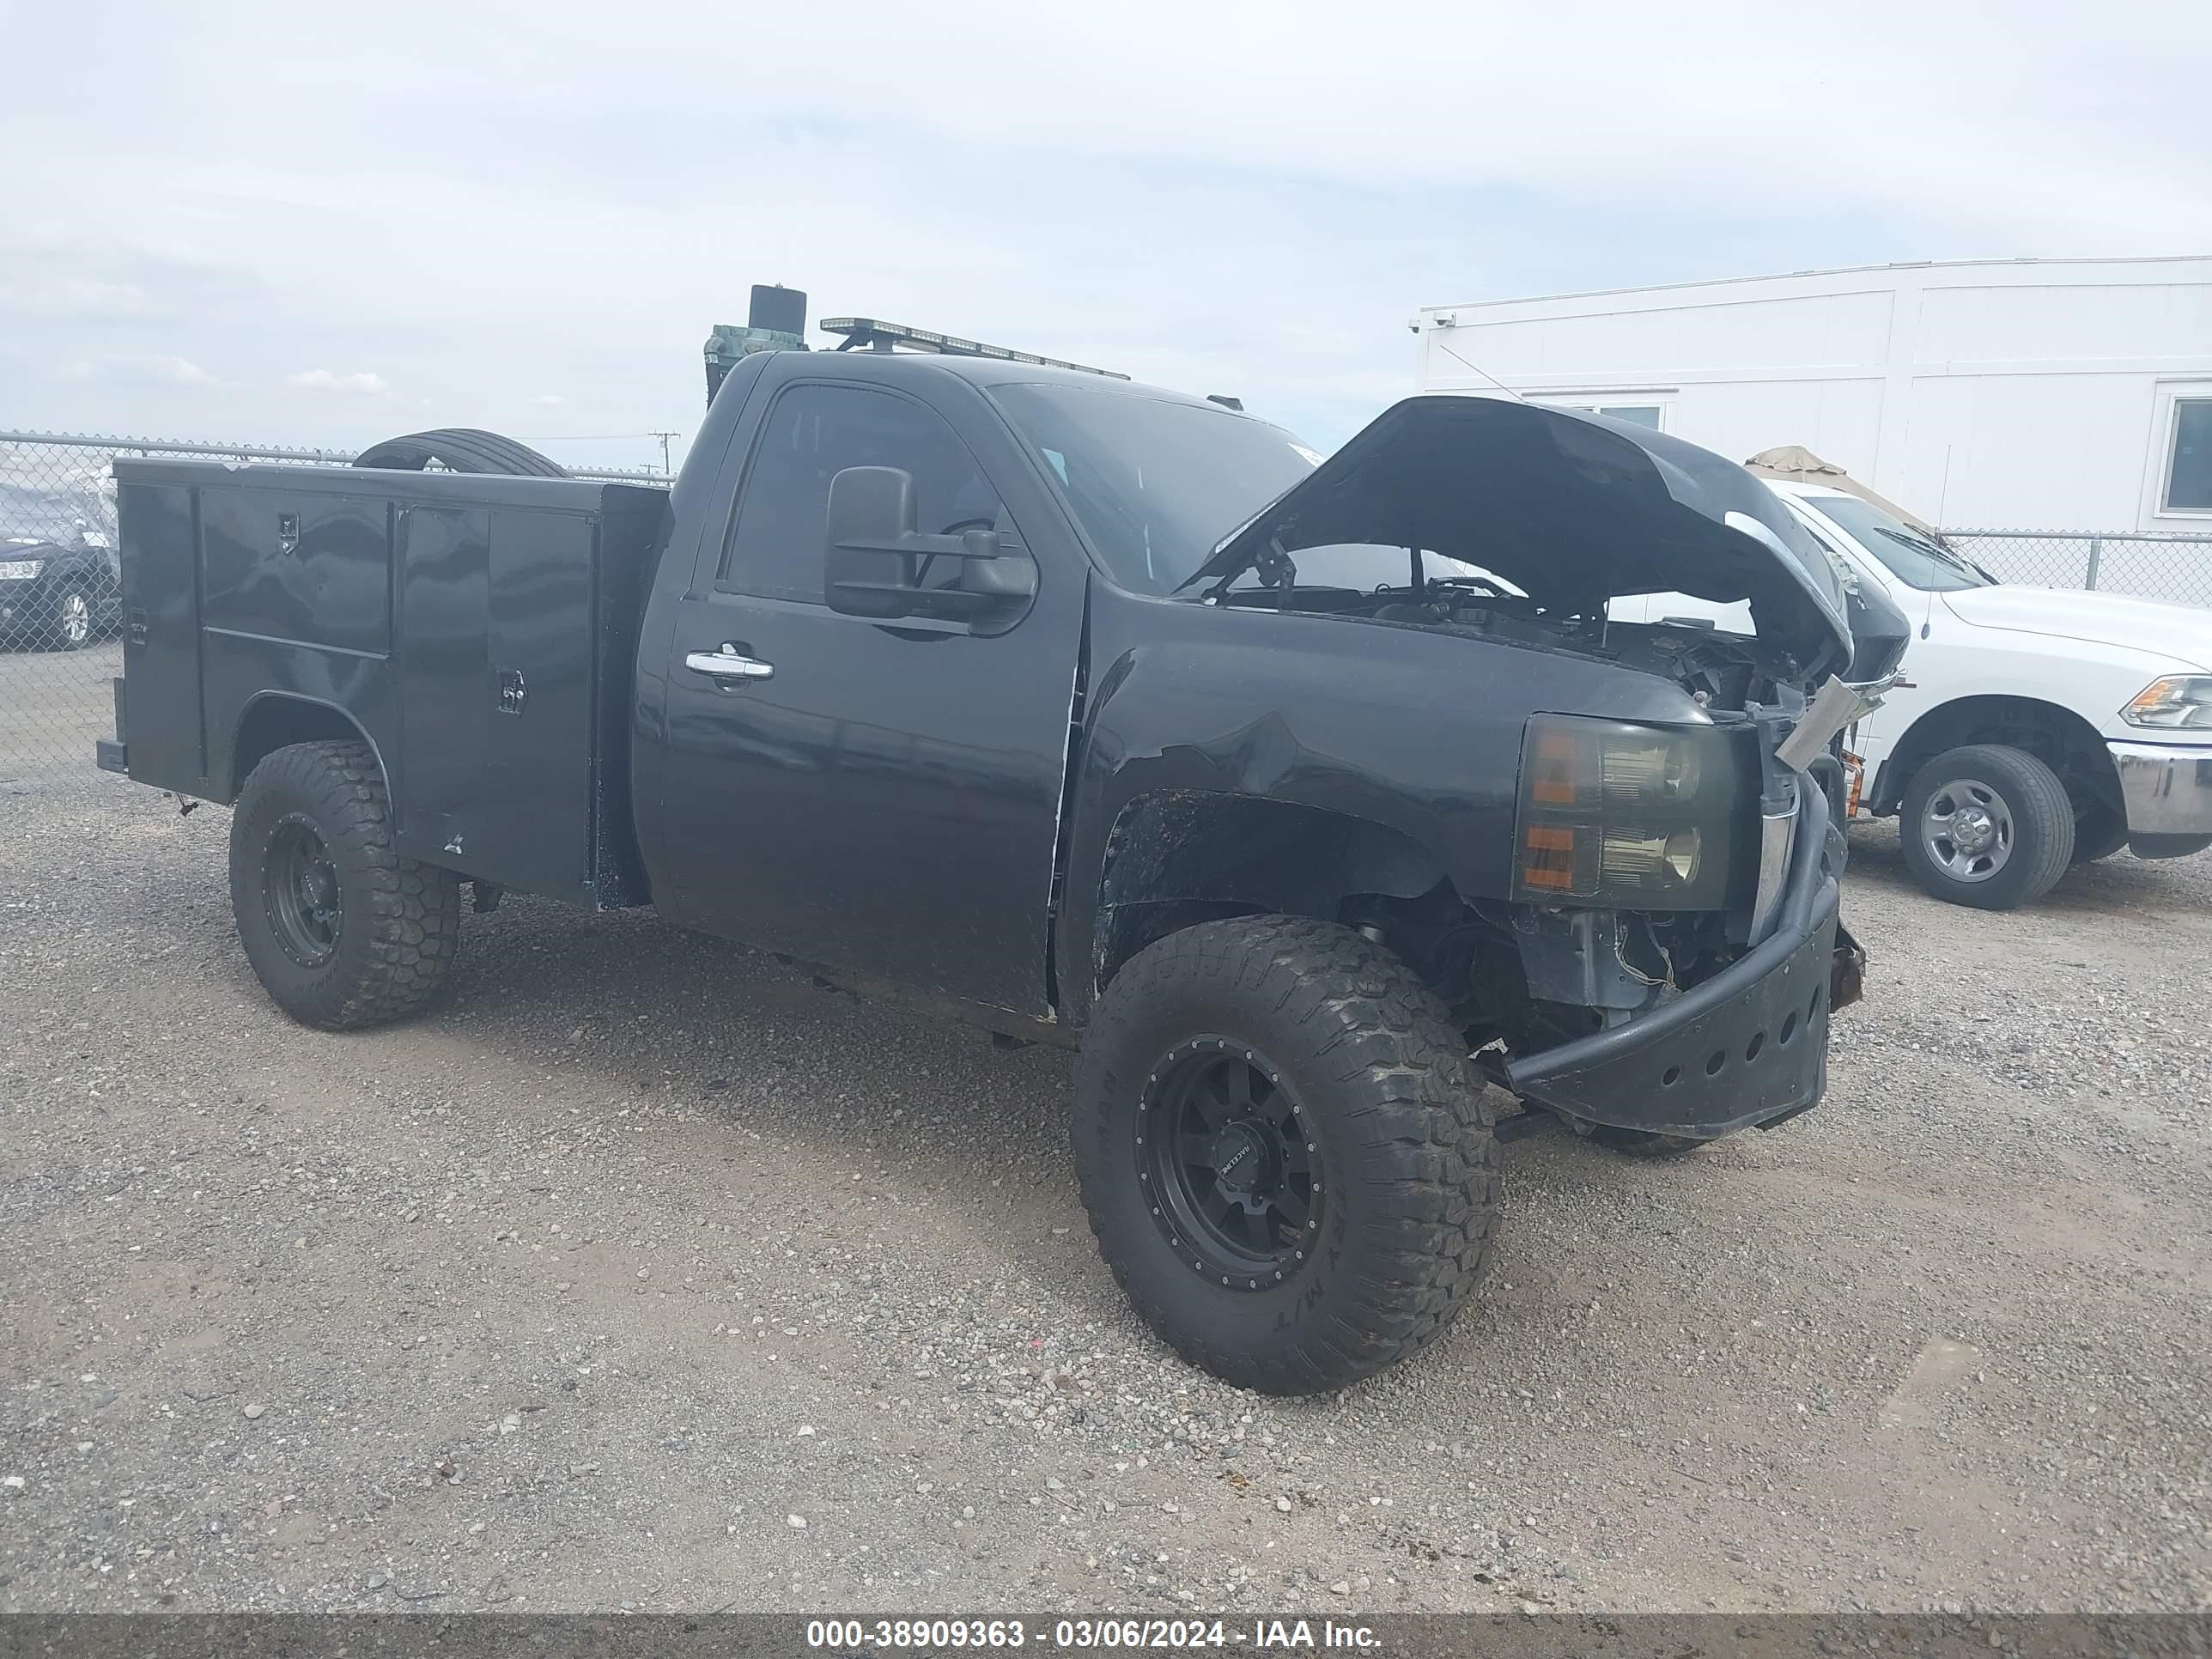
x,y
20,570
2180,701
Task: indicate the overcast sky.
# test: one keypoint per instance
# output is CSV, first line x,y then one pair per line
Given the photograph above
x,y
327,224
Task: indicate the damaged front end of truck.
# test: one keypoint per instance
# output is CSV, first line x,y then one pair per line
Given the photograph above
x,y
1661,955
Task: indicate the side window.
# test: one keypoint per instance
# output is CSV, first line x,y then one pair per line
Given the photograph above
x,y
812,433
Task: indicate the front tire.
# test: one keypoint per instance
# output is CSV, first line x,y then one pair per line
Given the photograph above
x,y
341,931
1987,826
1286,1155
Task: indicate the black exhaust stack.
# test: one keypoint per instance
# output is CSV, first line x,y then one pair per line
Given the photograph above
x,y
775,322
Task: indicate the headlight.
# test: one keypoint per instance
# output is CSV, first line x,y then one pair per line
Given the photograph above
x,y
2180,701
1638,818
20,570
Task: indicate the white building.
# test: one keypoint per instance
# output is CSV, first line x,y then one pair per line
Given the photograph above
x,y
2044,394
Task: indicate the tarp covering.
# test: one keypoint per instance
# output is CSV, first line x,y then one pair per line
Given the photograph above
x,y
1798,464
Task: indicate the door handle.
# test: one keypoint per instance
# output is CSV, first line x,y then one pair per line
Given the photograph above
x,y
728,663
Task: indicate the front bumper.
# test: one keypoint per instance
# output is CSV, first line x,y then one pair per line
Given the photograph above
x,y
2167,788
1748,1046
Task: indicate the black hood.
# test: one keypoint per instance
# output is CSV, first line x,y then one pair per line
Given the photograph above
x,y
1573,509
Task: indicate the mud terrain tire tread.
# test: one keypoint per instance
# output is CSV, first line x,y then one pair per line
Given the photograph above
x,y
1371,1055
401,920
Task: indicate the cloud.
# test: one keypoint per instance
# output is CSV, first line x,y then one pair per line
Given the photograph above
x,y
322,380
139,368
1255,213
95,275
549,400
77,296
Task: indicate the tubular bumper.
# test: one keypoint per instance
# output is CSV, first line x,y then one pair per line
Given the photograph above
x,y
1748,1046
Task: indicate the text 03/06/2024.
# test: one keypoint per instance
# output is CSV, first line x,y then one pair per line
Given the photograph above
x,y
853,1635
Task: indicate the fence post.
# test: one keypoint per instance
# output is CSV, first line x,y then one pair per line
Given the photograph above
x,y
2096,557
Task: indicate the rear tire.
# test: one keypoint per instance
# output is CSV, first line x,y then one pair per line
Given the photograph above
x,y
1987,826
341,931
1335,1220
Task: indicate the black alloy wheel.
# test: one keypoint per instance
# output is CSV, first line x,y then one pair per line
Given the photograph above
x,y
1235,1170
1286,1154
299,886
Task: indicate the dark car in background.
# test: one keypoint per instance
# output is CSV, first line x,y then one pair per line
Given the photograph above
x,y
57,597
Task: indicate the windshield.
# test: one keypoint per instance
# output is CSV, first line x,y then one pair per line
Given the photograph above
x,y
1155,484
1910,556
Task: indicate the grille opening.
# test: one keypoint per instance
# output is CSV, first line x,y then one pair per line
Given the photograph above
x,y
1751,1051
1790,1028
1713,1066
1670,1077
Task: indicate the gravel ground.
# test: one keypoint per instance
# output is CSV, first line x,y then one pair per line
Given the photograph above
x,y
646,1275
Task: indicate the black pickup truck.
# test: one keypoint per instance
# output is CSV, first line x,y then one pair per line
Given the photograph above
x,y
1321,806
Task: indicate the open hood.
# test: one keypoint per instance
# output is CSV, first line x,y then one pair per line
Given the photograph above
x,y
1573,509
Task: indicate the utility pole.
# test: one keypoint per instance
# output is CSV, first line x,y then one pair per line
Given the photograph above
x,y
666,471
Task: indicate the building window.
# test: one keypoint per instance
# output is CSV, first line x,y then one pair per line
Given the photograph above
x,y
1639,408
2189,457
1640,414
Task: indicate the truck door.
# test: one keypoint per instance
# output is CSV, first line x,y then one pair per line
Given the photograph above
x,y
881,798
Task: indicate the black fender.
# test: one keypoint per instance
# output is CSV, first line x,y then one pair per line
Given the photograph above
x,y
1411,736
270,720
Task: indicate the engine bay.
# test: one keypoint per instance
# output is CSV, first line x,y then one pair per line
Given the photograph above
x,y
1720,670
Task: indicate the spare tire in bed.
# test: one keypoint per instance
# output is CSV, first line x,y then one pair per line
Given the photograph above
x,y
460,449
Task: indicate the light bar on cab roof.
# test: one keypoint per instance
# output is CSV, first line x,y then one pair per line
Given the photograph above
x,y
861,331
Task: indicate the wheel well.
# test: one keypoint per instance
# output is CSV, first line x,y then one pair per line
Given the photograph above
x,y
1177,857
2058,737
273,722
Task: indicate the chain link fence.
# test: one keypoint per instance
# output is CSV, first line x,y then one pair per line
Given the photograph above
x,y
60,585
61,591
2152,566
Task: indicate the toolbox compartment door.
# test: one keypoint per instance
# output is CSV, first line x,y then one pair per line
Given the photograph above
x,y
444,664
161,721
302,568
539,742
495,686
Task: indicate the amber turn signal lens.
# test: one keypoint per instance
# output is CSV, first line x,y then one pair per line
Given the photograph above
x,y
1617,813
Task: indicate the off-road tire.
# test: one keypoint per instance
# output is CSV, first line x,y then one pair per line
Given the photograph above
x,y
399,921
1643,1142
1404,1126
2043,821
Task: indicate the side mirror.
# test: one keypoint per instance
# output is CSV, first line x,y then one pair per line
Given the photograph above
x,y
876,559
872,565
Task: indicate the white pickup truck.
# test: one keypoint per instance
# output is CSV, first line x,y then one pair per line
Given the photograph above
x,y
2034,729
